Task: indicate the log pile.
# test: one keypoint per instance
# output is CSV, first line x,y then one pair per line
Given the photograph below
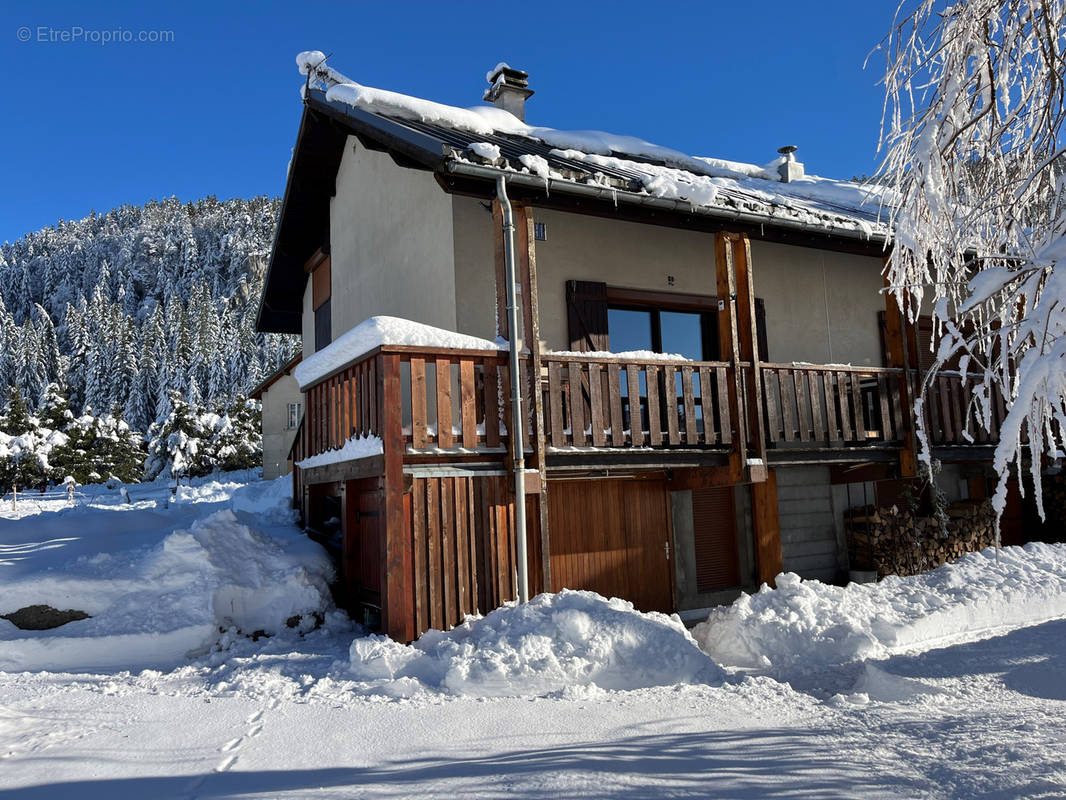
x,y
894,541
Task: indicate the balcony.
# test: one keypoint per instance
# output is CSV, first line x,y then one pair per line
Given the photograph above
x,y
441,404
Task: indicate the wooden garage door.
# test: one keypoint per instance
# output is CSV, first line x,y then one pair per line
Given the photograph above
x,y
610,536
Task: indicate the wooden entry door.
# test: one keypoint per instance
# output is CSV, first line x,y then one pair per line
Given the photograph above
x,y
612,537
362,540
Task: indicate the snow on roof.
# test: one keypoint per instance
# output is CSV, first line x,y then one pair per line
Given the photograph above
x,y
701,181
378,331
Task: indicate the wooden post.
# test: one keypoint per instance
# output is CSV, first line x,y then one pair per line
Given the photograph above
x,y
898,332
397,579
728,339
749,350
527,257
767,528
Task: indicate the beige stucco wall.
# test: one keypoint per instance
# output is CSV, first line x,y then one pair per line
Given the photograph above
x,y
475,276
391,245
277,438
821,306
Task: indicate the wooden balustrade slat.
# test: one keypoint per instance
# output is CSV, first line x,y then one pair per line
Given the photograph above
x,y
958,415
505,381
526,387
577,404
943,391
466,398
932,412
788,422
596,406
444,403
555,404
707,406
688,393
490,381
832,419
845,411
655,422
818,430
897,407
372,399
886,420
725,423
636,422
419,412
614,401
802,389
669,385
773,404
856,404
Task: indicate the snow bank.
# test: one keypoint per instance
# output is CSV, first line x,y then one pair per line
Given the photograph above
x,y
803,626
377,331
154,605
353,448
553,643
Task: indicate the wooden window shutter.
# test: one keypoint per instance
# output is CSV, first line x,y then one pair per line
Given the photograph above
x,y
714,527
760,329
926,357
586,312
321,288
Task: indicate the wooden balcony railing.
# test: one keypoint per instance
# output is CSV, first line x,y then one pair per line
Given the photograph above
x,y
449,400
613,402
831,406
949,411
458,401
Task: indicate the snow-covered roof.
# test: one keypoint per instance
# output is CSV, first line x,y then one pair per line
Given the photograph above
x,y
623,167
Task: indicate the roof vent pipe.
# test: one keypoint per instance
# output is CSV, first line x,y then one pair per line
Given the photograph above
x,y
509,89
789,169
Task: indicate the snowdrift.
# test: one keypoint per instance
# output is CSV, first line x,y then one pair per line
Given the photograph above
x,y
554,643
803,626
155,597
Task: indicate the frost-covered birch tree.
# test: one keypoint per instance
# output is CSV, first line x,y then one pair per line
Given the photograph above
x,y
973,131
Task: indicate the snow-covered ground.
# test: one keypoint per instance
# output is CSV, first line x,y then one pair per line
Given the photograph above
x,y
946,685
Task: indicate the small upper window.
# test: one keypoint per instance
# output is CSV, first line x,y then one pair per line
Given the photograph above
x,y
293,416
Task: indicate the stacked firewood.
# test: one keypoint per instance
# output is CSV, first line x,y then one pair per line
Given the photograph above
x,y
895,541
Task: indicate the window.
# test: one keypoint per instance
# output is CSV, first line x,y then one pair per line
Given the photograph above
x,y
321,289
292,416
692,334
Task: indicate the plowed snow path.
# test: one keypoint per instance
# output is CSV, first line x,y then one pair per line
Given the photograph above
x,y
981,719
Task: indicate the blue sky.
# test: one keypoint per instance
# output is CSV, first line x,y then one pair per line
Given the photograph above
x,y
90,125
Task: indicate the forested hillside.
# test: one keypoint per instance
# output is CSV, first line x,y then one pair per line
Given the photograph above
x,y
122,308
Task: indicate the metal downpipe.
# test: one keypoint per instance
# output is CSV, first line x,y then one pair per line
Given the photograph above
x,y
517,416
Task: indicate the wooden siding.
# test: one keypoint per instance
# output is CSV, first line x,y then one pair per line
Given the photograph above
x,y
610,536
462,536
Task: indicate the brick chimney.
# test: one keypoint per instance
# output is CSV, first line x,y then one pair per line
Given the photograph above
x,y
509,89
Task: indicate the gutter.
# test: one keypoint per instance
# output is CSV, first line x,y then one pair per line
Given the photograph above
x,y
517,449
667,204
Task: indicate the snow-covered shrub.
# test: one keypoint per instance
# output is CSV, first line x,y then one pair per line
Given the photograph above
x,y
192,442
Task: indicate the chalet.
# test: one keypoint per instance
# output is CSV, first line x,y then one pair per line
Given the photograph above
x,y
282,411
668,376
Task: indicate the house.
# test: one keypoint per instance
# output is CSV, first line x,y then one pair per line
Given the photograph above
x,y
282,411
706,370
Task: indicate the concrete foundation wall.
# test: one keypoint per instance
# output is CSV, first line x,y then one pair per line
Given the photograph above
x,y
811,541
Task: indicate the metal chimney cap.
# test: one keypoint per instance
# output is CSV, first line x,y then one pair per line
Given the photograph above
x,y
787,151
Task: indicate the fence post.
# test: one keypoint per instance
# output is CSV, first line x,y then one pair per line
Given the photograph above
x,y
15,498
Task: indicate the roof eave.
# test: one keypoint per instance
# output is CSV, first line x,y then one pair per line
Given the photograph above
x,y
670,205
